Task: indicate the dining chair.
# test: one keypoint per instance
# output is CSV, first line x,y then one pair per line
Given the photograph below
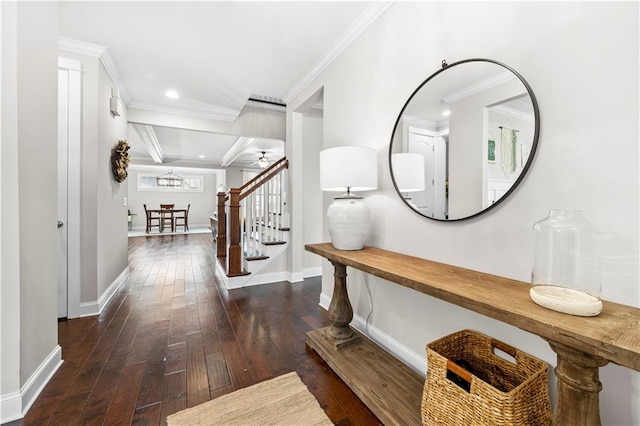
x,y
166,218
151,218
182,219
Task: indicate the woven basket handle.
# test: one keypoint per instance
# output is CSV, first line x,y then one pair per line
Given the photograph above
x,y
459,371
504,347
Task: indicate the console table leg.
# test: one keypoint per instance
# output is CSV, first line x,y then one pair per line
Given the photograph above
x,y
340,310
578,384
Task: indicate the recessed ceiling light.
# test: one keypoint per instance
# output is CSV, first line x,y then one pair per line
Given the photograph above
x,y
200,156
172,94
446,113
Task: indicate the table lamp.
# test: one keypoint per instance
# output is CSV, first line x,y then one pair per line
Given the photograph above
x,y
408,174
348,168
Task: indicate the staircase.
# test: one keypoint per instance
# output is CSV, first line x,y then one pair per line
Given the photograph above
x,y
253,226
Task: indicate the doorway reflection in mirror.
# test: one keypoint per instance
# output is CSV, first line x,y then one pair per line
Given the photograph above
x,y
485,100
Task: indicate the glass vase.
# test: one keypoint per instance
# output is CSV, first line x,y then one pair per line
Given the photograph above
x,y
566,274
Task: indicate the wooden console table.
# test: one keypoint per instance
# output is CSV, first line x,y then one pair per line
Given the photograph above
x,y
582,344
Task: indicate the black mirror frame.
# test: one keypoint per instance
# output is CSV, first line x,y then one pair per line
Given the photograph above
x,y
525,168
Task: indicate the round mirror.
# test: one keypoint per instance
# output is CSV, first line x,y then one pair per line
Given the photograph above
x,y
464,139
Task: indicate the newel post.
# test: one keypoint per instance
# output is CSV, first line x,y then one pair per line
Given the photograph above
x,y
221,241
234,266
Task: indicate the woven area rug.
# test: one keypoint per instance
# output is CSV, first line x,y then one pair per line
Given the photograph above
x,y
284,400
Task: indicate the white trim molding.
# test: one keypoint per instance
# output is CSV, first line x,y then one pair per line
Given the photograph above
x,y
74,149
10,407
101,52
15,405
478,87
312,272
366,18
89,309
512,112
296,277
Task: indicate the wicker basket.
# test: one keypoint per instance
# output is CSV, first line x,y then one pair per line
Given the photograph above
x,y
490,390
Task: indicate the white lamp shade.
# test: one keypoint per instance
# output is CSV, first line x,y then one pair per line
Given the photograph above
x,y
352,167
408,171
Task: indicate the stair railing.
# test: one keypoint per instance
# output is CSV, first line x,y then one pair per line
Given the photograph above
x,y
251,216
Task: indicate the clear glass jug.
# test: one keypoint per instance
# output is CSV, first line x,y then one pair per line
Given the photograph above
x,y
566,274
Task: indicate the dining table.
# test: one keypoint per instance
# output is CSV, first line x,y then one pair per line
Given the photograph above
x,y
167,211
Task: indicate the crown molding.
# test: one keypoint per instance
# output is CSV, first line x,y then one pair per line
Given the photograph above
x,y
420,122
515,113
220,114
107,61
81,47
479,87
366,18
101,52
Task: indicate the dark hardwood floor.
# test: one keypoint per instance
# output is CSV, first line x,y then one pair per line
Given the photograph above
x,y
173,337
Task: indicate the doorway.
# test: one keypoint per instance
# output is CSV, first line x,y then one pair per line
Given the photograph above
x,y
69,136
431,202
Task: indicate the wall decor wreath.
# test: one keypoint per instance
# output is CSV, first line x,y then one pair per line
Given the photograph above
x,y
120,160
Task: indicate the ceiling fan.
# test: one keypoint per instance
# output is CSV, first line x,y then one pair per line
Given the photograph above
x,y
263,161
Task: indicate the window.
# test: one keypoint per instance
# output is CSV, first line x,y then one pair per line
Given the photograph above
x,y
190,183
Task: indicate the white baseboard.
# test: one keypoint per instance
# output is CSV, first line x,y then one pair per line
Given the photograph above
x,y
312,272
10,407
325,301
274,277
15,405
397,349
268,278
89,309
295,277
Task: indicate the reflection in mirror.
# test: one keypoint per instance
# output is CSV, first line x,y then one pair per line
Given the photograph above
x,y
475,123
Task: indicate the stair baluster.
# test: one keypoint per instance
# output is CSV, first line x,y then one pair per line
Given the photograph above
x,y
250,216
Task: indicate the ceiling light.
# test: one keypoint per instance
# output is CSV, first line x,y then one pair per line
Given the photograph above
x,y
263,160
446,113
200,156
172,94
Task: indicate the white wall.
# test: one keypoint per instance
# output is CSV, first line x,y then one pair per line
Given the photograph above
x,y
111,236
312,196
29,188
9,196
203,204
234,177
570,53
37,153
467,149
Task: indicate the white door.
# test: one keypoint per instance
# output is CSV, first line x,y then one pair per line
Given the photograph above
x,y
432,201
69,146
63,137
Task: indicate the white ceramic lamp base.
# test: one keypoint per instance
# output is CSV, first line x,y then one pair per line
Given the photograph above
x,y
566,300
349,223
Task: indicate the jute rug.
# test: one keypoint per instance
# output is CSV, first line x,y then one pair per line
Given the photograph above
x,y
284,400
